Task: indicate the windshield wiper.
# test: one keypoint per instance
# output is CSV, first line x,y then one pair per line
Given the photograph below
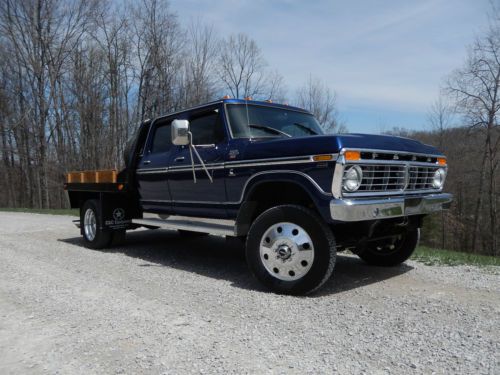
x,y
305,128
270,129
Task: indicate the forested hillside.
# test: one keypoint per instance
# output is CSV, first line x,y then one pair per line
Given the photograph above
x,y
78,76
472,222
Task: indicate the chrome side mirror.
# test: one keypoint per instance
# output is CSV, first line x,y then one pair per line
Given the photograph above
x,y
180,132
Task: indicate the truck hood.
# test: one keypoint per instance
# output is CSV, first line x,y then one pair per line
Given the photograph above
x,y
327,144
384,142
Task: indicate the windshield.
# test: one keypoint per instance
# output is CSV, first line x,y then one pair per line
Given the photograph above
x,y
254,121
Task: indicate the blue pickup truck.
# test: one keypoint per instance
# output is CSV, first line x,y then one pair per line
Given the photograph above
x,y
267,174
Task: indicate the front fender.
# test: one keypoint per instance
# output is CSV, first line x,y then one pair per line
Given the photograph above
x,y
318,196
300,178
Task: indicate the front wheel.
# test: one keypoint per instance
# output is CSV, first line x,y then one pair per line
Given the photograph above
x,y
290,250
391,253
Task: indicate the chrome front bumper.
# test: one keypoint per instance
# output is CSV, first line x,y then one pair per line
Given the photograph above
x,y
385,208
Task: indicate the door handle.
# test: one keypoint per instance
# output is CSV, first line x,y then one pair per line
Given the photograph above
x,y
146,162
231,172
179,158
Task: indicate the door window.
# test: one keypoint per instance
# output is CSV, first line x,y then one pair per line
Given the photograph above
x,y
207,128
161,139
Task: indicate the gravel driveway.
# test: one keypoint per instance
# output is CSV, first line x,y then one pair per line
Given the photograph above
x,y
165,304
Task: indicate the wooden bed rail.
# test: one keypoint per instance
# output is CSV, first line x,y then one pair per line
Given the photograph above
x,y
85,177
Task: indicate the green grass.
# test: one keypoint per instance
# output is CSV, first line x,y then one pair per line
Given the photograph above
x,y
67,211
431,256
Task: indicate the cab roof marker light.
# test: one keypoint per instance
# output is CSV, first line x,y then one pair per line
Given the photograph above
x,y
352,155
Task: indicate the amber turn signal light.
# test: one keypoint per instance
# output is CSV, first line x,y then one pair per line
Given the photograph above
x,y
322,157
352,155
441,161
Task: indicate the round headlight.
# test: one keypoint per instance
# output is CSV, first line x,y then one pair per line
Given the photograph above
x,y
352,178
438,178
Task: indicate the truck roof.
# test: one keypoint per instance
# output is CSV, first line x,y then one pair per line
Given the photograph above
x,y
264,103
237,101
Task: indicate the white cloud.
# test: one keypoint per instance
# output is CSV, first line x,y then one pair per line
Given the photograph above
x,y
388,54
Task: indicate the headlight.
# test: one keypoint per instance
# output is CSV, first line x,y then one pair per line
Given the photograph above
x,y
438,178
352,178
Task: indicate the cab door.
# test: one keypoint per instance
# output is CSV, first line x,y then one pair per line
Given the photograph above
x,y
152,169
203,197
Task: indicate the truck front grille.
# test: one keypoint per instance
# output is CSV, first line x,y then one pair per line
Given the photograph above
x,y
393,178
420,178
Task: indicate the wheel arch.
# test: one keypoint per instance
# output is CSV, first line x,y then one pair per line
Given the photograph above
x,y
78,198
276,188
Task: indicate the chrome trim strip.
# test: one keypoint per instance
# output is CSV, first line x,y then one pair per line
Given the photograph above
x,y
285,162
338,176
396,163
238,164
277,161
392,192
197,167
302,157
196,224
152,171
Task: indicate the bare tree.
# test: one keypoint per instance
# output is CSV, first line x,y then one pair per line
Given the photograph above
x,y
319,99
475,90
440,118
241,66
40,36
200,61
158,43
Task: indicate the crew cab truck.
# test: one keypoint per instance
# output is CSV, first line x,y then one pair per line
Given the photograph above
x,y
267,174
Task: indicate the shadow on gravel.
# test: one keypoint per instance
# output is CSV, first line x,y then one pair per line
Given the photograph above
x,y
216,257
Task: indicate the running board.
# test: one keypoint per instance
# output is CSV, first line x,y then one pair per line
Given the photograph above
x,y
194,224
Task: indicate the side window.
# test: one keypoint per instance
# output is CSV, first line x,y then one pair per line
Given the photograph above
x,y
207,128
161,139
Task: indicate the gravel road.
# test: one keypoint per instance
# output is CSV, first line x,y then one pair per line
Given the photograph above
x,y
165,304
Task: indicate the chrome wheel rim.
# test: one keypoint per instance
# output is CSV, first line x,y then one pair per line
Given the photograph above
x,y
89,224
286,251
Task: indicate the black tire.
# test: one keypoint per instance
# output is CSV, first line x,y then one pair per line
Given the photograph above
x,y
323,246
102,238
402,250
191,234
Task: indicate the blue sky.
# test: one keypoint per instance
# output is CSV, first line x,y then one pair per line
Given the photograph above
x,y
385,59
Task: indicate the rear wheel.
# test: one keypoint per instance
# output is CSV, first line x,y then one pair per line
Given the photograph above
x,y
93,235
391,253
290,250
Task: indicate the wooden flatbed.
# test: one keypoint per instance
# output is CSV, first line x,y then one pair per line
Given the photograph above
x,y
98,176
